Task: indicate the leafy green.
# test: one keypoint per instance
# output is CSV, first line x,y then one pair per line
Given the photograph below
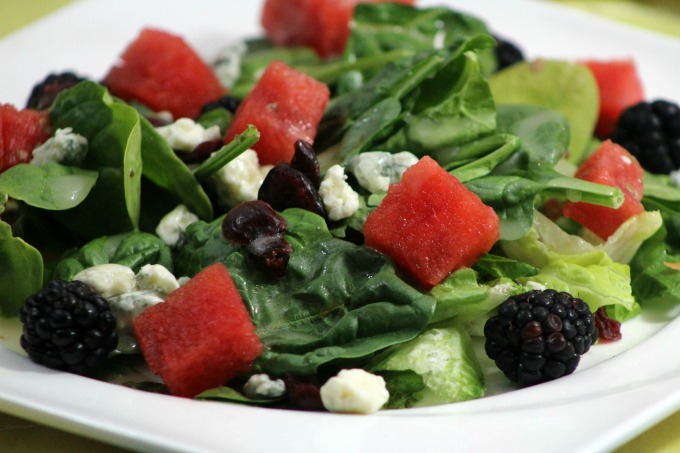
x,y
224,155
443,355
22,269
231,395
563,86
386,27
404,386
337,302
50,186
130,249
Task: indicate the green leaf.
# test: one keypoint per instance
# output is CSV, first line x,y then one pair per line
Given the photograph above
x,y
569,88
228,394
50,186
22,271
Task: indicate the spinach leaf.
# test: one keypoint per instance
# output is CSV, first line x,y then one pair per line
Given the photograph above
x,y
22,269
114,135
384,27
167,171
404,386
337,301
569,88
50,186
231,395
133,249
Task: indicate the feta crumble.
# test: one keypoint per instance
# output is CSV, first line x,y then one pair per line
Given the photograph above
x,y
354,391
261,386
240,179
376,170
108,280
156,278
227,66
340,200
174,223
65,147
185,134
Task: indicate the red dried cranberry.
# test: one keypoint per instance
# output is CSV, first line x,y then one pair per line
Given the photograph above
x,y
608,329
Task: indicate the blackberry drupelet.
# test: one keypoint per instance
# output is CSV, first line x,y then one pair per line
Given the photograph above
x,y
507,53
650,131
539,336
68,326
44,93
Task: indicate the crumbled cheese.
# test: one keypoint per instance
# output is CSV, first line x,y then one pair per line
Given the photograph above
x,y
675,178
354,391
227,66
185,134
174,223
261,386
376,170
240,179
65,147
340,200
108,280
155,277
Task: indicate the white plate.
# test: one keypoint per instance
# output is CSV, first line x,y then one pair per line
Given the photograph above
x,y
618,391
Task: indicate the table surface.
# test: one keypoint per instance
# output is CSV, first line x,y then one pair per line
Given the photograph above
x,y
19,435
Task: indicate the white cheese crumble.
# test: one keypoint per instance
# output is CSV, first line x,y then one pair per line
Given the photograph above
x,y
128,294
185,134
65,147
376,170
340,200
227,66
261,386
108,280
174,223
240,179
354,391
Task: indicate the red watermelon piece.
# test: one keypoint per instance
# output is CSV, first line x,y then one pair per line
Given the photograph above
x,y
201,336
20,132
161,71
285,105
613,166
620,87
320,24
430,224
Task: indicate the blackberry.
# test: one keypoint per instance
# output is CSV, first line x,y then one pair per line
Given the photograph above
x,y
68,326
539,336
507,53
650,131
43,94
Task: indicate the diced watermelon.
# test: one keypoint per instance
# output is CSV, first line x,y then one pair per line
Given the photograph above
x,y
20,132
430,224
161,71
200,336
320,24
285,105
620,87
613,166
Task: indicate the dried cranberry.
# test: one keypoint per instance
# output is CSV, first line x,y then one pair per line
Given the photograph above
x,y
285,187
305,161
259,229
608,329
201,152
304,394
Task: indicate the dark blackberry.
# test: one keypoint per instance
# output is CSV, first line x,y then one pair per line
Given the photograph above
x,y
650,131
507,53
68,326
43,94
539,336
230,103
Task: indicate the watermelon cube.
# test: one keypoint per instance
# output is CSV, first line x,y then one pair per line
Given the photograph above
x,y
612,166
620,87
320,24
200,336
20,132
163,72
430,224
285,105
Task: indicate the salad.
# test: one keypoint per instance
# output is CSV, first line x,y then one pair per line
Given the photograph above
x,y
464,298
